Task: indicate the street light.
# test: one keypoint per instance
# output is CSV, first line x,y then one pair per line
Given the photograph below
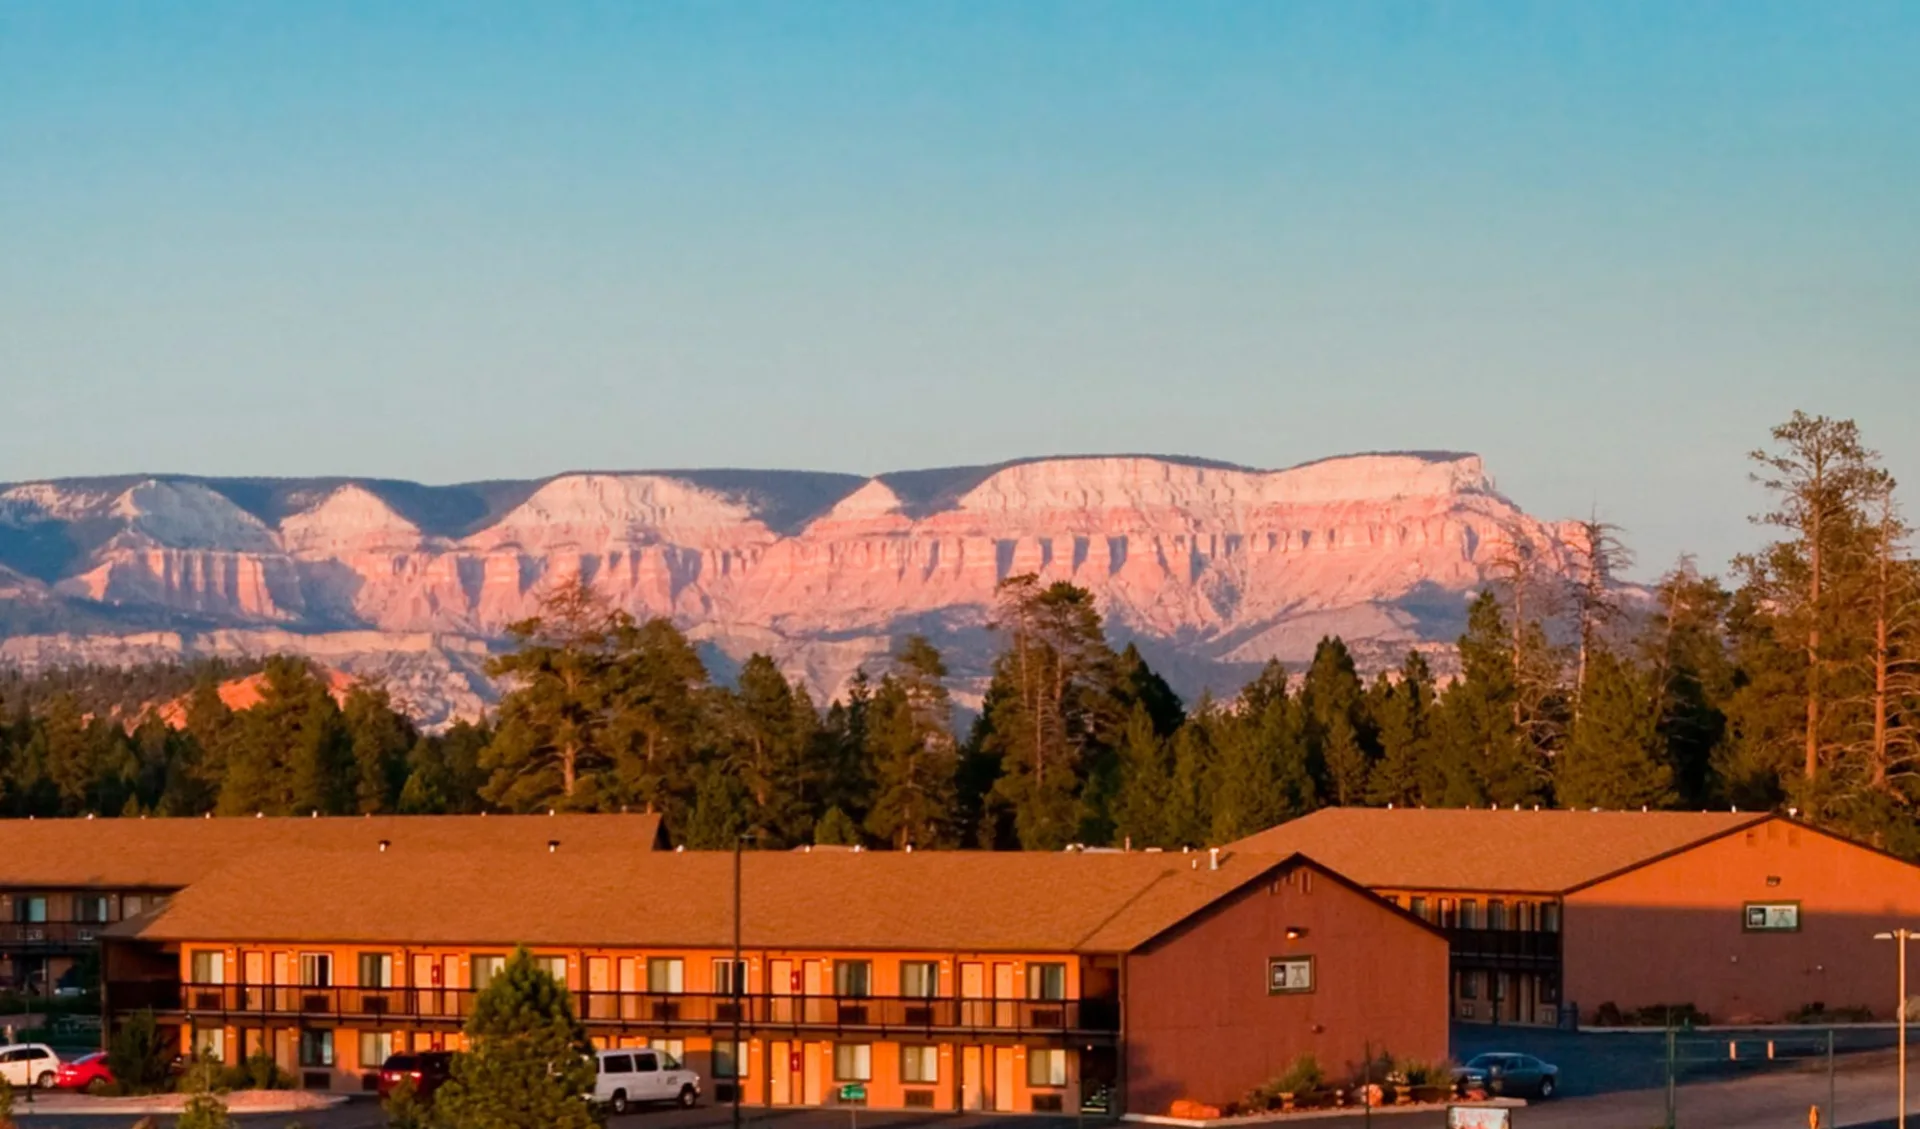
x,y
1901,935
736,978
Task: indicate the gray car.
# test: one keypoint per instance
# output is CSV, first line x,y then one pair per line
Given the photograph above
x,y
1510,1075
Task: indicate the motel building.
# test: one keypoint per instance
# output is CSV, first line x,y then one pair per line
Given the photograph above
x,y
64,881
1550,915
899,980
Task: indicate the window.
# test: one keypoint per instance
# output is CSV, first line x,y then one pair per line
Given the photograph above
x,y
726,974
316,970
30,910
90,908
1469,985
1418,908
375,1047
1499,986
646,1062
1046,1066
376,970
666,974
1524,919
853,978
209,967
1469,914
919,1064
484,969
316,1048
920,979
852,1062
1289,975
1496,914
617,1064
673,1052
1445,919
132,904
1046,981
210,1042
1550,917
727,1056
555,967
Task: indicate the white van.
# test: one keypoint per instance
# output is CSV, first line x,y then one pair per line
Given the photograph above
x,y
636,1075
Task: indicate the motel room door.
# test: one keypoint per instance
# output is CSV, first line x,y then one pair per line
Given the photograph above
x,y
972,1092
1004,1008
781,985
973,988
1003,1079
813,1071
780,1072
253,974
814,984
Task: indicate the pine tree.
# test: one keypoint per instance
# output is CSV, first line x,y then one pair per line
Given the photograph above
x,y
836,829
1190,803
379,738
528,1060
1486,755
288,754
909,736
1142,812
767,737
1330,703
718,816
1614,759
655,725
1261,773
552,743
1407,773
1058,712
1693,678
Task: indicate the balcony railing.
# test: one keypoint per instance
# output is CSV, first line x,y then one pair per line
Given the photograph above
x,y
31,934
1508,946
649,1010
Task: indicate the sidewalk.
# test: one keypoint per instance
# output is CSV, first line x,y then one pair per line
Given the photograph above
x,y
62,1104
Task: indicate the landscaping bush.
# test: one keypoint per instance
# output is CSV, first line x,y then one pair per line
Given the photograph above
x,y
1817,1012
6,1105
1609,1014
259,1072
138,1057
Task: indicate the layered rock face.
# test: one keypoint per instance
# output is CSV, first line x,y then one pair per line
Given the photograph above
x,y
1212,569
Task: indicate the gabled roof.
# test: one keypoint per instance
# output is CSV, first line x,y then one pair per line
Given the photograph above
x,y
1477,849
171,853
962,901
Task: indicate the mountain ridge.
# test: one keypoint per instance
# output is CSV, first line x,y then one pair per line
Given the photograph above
x,y
1211,566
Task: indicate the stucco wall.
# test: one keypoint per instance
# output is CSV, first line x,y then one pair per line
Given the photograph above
x,y
1201,1024
1672,932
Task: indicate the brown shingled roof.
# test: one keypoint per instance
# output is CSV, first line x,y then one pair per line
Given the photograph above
x,y
1537,852
171,853
924,900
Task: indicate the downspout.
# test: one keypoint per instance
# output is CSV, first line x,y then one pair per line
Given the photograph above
x,y
1120,1092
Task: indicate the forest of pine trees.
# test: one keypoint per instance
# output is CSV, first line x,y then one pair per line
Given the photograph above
x,y
1792,682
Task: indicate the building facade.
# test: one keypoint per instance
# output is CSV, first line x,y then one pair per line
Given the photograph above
x,y
925,980
64,881
1557,917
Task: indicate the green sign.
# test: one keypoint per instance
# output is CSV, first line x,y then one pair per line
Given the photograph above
x,y
855,1093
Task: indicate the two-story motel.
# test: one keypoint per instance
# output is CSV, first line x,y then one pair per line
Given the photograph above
x,y
63,881
925,980
1551,914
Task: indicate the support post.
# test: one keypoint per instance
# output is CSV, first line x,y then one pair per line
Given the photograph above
x,y
734,977
1671,1096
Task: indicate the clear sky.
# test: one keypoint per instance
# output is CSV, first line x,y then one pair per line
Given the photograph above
x,y
1604,244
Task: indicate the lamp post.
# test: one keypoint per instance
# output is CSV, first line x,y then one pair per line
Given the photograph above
x,y
735,980
1900,935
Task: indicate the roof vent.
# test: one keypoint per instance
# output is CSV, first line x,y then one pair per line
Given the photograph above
x,y
1213,858
89,815
550,811
681,849
256,815
553,845
384,844
909,848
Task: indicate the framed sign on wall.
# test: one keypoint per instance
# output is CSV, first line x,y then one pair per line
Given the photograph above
x,y
1289,974
1772,917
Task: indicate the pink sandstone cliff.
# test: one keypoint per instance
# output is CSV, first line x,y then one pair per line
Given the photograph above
x,y
1212,569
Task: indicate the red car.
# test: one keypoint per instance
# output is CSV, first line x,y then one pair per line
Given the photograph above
x,y
88,1072
425,1069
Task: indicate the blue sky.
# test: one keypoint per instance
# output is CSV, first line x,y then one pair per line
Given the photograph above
x,y
1606,245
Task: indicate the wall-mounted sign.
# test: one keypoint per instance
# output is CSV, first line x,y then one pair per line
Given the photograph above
x,y
1479,1117
1772,917
1289,974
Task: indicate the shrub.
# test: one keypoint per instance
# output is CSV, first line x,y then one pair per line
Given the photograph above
x,y
1817,1012
259,1072
137,1056
206,1104
6,1104
403,1108
1609,1014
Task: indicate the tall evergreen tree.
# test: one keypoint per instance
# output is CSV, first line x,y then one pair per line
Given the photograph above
x,y
1614,759
528,1060
909,733
1330,698
1408,773
1142,814
551,743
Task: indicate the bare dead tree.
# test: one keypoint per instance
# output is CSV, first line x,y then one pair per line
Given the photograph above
x,y
1599,556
